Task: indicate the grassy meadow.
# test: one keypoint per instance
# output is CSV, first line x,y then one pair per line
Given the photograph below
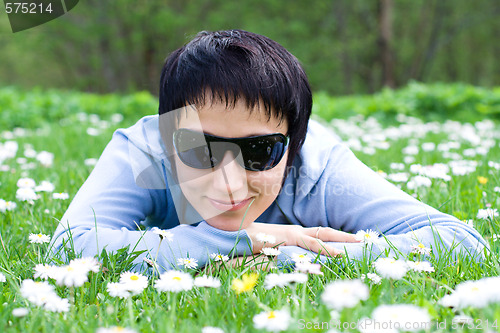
x,y
439,143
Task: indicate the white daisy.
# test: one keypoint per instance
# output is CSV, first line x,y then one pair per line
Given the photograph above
x,y
374,278
307,267
428,146
174,281
391,268
476,294
39,238
342,294
404,317
265,238
26,194
44,271
420,249
274,321
45,186
219,257
368,237
2,277
207,282
296,277
20,312
210,329
116,118
29,152
45,158
420,266
398,177
449,301
70,276
37,292
60,196
7,205
56,304
151,263
282,280
93,131
487,213
134,282
116,289
90,161
270,251
418,181
26,183
164,234
90,264
302,257
188,262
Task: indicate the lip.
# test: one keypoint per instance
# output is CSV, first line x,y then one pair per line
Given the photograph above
x,y
228,206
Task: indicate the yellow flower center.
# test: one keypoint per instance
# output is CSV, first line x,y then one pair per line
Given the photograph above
x,y
482,180
271,315
176,278
422,246
134,278
247,283
39,235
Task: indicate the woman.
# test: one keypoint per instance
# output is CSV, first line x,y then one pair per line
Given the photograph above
x,y
233,155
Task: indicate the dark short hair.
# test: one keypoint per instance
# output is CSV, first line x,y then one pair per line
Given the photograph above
x,y
236,64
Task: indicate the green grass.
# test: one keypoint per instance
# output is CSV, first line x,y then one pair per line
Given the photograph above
x,y
152,311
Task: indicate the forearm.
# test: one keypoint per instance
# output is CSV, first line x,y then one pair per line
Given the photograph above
x,y
187,241
444,240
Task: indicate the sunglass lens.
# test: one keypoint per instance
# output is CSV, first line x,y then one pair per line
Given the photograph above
x,y
263,154
202,151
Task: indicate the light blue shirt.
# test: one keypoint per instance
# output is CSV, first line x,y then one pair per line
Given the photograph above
x,y
327,187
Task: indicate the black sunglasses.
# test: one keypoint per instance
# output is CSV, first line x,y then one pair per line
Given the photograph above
x,y
203,151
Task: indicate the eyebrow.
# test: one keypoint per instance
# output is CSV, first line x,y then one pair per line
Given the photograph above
x,y
246,136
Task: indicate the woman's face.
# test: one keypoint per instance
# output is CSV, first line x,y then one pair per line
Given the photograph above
x,y
222,195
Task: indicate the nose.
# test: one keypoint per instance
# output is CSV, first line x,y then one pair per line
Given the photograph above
x,y
229,177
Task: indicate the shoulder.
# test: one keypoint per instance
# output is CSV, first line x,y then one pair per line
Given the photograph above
x,y
144,136
144,150
316,153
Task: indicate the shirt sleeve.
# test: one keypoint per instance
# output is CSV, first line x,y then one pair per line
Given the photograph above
x,y
357,198
109,207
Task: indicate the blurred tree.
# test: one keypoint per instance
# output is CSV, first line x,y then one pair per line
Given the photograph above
x,y
385,8
346,46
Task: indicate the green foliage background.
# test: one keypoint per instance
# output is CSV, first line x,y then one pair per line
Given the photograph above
x,y
119,46
457,101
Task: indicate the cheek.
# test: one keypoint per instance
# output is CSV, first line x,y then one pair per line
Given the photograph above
x,y
189,177
267,183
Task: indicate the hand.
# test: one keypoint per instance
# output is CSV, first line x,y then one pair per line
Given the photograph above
x,y
308,238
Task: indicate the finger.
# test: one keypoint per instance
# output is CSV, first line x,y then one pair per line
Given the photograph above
x,y
318,246
327,234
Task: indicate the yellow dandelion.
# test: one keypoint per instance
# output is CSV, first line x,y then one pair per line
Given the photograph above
x,y
247,283
482,180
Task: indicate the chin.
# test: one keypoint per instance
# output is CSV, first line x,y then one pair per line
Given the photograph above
x,y
227,224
